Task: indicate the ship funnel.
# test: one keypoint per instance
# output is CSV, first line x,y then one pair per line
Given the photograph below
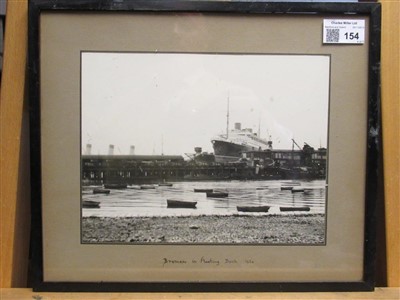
x,y
132,150
198,150
88,149
238,126
111,150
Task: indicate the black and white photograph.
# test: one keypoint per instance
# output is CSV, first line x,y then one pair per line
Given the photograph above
x,y
204,148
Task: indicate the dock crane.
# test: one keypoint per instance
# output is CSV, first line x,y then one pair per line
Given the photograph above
x,y
294,143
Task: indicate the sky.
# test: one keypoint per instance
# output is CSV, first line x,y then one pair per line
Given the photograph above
x,y
169,103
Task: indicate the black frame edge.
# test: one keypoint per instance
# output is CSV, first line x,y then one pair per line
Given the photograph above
x,y
373,176
36,249
257,6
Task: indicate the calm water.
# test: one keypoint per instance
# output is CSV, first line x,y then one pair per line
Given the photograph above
x,y
133,202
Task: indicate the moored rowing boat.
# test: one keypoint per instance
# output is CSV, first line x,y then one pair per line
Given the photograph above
x,y
297,190
101,191
90,204
217,194
286,188
294,208
263,208
203,190
116,186
180,204
147,187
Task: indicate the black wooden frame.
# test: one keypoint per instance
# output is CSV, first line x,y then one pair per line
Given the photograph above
x,y
373,175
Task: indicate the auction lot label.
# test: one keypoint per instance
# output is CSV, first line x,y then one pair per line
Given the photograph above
x,y
340,31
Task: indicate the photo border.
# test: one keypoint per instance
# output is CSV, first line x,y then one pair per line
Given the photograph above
x,y
325,225
373,176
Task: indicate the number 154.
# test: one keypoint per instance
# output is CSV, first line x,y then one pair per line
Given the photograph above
x,y
351,36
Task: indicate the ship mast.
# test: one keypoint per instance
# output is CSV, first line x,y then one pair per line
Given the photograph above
x,y
227,119
162,144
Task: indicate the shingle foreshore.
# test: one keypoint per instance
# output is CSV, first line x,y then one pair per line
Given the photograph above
x,y
204,229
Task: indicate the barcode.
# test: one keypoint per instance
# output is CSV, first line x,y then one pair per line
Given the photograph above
x,y
332,35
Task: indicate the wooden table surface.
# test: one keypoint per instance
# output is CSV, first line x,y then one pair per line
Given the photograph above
x,y
27,294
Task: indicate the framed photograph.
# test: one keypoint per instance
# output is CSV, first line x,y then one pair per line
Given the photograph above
x,y
204,146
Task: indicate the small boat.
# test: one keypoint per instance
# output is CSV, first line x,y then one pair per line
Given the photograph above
x,y
90,204
286,188
101,191
262,188
116,186
292,183
147,187
297,190
87,192
181,204
264,208
134,187
203,190
294,208
217,194
165,184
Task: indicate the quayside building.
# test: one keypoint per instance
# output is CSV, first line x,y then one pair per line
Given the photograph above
x,y
251,165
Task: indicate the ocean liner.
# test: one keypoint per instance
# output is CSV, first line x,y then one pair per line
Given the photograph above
x,y
229,146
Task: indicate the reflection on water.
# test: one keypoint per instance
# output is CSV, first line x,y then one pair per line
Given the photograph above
x,y
152,202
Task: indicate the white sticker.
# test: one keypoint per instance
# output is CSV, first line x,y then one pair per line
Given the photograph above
x,y
344,31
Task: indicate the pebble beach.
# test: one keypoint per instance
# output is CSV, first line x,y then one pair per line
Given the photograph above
x,y
207,229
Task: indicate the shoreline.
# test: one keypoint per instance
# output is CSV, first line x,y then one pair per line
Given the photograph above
x,y
267,229
203,179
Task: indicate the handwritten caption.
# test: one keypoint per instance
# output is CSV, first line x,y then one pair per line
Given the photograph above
x,y
206,261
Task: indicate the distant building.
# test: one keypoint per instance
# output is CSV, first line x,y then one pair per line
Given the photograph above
x,y
308,160
255,164
128,168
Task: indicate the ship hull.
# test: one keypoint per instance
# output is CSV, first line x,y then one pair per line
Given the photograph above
x,y
222,148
